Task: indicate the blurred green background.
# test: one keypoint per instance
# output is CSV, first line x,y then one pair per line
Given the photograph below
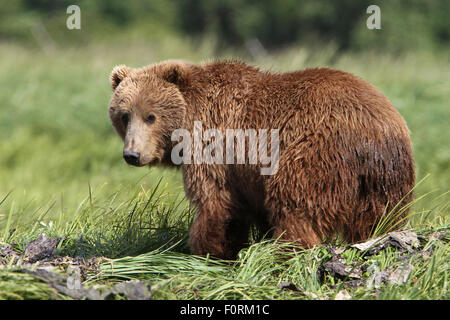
x,y
406,24
57,144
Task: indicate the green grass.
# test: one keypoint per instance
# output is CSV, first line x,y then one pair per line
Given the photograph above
x,y
62,174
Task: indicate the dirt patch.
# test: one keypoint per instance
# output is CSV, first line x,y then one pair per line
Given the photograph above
x,y
40,254
7,253
358,273
67,274
337,268
72,287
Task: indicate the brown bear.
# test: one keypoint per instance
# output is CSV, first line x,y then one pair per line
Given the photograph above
x,y
344,152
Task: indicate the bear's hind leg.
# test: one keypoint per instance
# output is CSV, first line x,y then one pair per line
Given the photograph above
x,y
294,226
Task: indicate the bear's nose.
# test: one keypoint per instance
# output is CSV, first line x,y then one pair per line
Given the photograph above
x,y
131,157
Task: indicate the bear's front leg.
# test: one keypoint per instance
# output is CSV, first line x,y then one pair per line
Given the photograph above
x,y
217,229
216,232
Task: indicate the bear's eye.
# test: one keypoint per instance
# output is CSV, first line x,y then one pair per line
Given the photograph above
x,y
125,118
150,119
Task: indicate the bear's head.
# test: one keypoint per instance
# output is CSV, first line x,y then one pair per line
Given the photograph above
x,y
145,108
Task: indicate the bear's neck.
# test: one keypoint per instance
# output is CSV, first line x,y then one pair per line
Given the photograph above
x,y
195,93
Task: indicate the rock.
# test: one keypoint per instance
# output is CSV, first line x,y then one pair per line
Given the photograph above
x,y
400,275
342,295
406,240
41,248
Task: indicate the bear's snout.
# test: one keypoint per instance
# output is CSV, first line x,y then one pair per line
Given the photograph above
x,y
131,157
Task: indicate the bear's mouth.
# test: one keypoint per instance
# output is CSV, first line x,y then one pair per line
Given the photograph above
x,y
143,164
153,162
138,165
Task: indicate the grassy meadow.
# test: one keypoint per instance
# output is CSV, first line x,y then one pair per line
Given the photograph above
x,y
62,175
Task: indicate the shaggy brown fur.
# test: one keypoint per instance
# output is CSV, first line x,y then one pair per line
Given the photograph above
x,y
345,152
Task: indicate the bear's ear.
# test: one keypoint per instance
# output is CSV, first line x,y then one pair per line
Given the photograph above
x,y
176,72
118,74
